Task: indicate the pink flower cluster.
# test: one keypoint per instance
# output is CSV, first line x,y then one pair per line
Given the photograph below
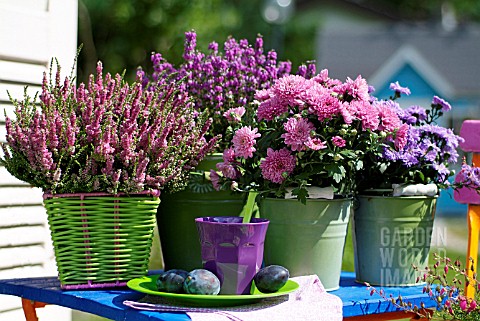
x,y
277,165
105,136
318,124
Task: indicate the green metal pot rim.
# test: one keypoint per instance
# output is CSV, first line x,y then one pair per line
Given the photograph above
x,y
398,197
308,199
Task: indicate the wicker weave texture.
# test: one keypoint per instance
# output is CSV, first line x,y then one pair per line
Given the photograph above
x,y
101,240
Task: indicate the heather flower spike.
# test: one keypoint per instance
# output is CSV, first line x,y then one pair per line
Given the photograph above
x,y
105,136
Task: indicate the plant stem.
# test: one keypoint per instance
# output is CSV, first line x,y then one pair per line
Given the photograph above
x,y
247,210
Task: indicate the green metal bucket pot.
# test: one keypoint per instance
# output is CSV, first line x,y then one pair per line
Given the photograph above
x,y
307,239
389,235
176,219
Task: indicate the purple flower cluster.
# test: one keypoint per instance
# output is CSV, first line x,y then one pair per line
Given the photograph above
x,y
106,136
220,81
308,131
428,150
468,176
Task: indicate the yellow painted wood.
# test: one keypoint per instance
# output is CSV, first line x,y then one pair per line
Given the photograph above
x,y
473,219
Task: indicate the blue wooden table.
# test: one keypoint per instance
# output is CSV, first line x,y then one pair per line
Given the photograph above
x,y
357,302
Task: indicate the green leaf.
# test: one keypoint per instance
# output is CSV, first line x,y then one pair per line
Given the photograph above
x,y
337,172
348,153
383,167
358,165
301,193
421,175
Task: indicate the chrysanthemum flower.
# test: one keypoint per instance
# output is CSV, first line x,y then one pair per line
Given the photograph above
x,y
338,141
276,164
297,132
244,142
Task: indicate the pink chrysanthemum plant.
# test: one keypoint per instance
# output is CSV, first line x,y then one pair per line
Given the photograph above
x,y
306,132
104,136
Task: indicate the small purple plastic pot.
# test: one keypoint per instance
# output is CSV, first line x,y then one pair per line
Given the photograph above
x,y
232,250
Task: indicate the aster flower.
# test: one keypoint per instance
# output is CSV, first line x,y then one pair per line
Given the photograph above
x,y
398,89
437,101
468,176
414,115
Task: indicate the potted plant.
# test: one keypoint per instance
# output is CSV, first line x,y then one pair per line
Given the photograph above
x,y
398,189
102,153
446,282
222,84
301,151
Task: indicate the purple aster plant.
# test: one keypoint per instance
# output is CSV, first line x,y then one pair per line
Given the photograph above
x,y
427,154
105,136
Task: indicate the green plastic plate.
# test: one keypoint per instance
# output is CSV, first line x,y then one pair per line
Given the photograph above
x,y
147,284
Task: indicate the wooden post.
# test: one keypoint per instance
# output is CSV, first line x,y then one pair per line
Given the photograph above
x,y
470,131
29,309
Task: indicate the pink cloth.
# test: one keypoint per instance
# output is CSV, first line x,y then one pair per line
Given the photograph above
x,y
309,303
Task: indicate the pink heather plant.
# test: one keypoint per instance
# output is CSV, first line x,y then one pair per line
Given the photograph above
x,y
306,132
105,136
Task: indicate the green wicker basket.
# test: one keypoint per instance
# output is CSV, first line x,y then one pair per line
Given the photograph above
x,y
101,240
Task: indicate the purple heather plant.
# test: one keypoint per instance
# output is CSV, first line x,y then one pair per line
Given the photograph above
x,y
220,82
307,132
428,151
106,136
445,282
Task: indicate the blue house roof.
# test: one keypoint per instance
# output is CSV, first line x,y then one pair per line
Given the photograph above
x,y
446,61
